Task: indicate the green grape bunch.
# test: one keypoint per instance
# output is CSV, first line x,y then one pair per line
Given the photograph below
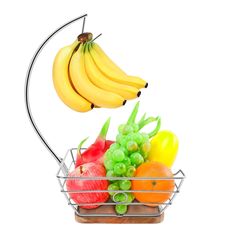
x,y
130,150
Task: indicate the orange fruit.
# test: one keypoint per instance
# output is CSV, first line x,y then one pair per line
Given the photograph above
x,y
153,170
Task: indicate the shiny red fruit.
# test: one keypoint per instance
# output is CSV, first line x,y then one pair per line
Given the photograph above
x,y
87,170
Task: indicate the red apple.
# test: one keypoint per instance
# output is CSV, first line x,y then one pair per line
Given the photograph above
x,y
88,170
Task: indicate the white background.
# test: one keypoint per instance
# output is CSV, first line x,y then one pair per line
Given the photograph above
x,y
187,52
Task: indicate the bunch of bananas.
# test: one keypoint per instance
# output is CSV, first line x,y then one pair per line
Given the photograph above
x,y
84,77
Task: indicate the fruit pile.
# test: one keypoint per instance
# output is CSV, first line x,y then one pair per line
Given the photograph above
x,y
133,154
85,77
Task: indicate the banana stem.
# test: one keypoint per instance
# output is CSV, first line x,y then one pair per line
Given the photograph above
x,y
85,46
85,37
90,46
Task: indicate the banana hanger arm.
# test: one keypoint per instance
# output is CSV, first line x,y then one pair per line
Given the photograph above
x,y
27,84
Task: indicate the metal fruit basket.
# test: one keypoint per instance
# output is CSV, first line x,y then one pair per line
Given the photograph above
x,y
138,212
67,165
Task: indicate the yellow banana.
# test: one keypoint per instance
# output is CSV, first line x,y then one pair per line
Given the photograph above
x,y
107,59
109,68
62,83
103,82
86,88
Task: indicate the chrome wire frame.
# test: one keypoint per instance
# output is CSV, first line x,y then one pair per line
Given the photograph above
x,y
67,165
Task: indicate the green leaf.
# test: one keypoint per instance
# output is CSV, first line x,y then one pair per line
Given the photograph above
x,y
104,130
80,145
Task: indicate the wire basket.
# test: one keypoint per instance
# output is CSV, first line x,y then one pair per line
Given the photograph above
x,y
135,208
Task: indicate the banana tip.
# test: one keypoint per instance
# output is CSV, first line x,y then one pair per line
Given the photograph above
x,y
92,106
139,93
124,102
146,85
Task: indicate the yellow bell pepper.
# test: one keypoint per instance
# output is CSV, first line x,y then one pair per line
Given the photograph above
x,y
164,148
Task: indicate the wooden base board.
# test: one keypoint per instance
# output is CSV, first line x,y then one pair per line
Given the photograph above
x,y
119,220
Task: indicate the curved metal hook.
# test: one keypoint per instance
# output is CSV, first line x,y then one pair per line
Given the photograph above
x,y
28,75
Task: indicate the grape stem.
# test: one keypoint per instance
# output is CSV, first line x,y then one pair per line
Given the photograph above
x,y
146,122
142,123
142,119
157,128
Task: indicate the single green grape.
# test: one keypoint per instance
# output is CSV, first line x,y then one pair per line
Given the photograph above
x,y
135,127
144,154
123,141
110,173
136,159
121,128
125,151
108,154
125,184
127,162
114,146
146,147
138,138
130,137
116,182
119,138
118,155
121,209
119,168
130,171
127,129
130,197
120,197
112,187
109,164
132,146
